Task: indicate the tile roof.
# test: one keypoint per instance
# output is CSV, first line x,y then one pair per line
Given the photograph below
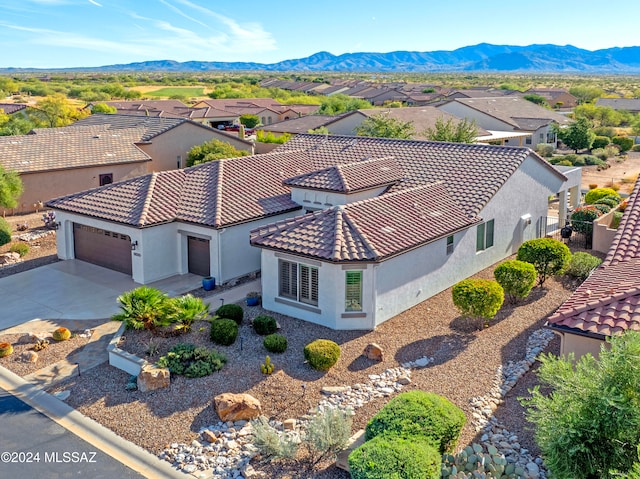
x,y
64,148
631,104
237,190
351,177
369,230
11,108
608,302
300,125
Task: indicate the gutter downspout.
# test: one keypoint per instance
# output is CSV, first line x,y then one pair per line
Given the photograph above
x,y
219,246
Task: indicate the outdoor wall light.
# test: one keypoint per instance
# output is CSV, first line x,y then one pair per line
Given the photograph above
x,y
134,245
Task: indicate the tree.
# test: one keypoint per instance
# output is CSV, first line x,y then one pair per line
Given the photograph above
x,y
478,298
383,126
517,278
547,255
578,135
586,94
462,131
103,108
212,150
537,99
16,125
336,104
56,110
250,121
10,188
589,423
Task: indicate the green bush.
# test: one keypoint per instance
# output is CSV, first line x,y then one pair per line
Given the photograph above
x,y
478,298
579,161
224,331
395,458
517,278
591,160
564,163
419,413
605,131
586,413
145,308
191,361
275,343
582,218
635,148
604,209
21,248
231,311
545,149
187,310
264,325
615,221
610,201
5,232
548,256
582,264
597,193
624,142
600,142
322,354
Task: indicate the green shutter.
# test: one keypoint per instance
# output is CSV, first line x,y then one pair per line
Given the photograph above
x,y
480,238
353,291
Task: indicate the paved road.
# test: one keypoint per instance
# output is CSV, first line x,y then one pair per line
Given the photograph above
x,y
42,449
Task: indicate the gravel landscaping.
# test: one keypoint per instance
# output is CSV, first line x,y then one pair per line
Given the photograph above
x,y
463,365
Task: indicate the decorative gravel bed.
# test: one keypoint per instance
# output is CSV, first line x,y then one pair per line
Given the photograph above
x,y
464,366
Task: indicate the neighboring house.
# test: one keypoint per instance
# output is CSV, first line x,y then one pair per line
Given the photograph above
x,y
11,108
267,109
299,125
557,98
631,105
199,219
514,120
608,302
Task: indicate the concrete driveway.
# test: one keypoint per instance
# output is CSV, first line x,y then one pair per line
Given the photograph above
x,y
72,289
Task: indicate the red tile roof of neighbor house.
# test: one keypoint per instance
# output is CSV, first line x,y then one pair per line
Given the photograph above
x,y
369,230
237,190
608,302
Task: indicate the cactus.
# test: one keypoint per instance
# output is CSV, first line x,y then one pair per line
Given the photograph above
x,y
5,349
472,462
267,367
61,334
40,344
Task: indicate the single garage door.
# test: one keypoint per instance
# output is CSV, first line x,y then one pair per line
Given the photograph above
x,y
104,248
198,253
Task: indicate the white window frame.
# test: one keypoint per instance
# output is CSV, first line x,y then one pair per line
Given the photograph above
x,y
298,282
485,236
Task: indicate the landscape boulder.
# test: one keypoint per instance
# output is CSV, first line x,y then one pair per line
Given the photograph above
x,y
374,352
9,258
236,407
152,377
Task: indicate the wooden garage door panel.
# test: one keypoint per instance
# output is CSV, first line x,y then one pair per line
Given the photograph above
x,y
198,256
104,248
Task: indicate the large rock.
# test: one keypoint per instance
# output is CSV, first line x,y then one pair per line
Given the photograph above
x,y
373,351
236,407
9,258
152,377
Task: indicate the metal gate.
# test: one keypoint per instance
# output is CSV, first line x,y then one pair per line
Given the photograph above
x,y
578,233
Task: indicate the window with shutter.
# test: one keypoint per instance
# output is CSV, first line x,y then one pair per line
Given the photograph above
x,y
308,284
288,279
353,291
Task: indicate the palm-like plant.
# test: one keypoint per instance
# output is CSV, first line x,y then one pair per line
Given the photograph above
x,y
187,310
145,308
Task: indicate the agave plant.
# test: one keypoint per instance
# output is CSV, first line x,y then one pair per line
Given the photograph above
x,y
145,308
187,310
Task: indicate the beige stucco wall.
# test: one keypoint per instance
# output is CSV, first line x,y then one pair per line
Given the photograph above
x,y
602,234
579,345
44,186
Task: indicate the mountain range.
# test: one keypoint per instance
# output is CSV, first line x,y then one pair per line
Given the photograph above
x,y
483,57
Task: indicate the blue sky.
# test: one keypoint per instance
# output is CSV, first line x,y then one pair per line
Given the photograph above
x,y
82,33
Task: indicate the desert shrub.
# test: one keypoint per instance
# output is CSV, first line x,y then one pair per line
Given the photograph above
x,y
600,154
223,331
145,308
545,149
564,163
21,248
615,221
579,161
5,349
5,232
61,334
231,311
604,209
611,150
611,201
328,431
322,354
624,142
582,218
419,414
517,278
187,310
478,298
586,417
395,458
582,264
275,343
600,142
591,160
594,195
607,131
635,148
273,443
264,324
191,361
548,256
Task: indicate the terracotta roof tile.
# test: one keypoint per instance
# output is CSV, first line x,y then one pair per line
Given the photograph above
x,y
369,230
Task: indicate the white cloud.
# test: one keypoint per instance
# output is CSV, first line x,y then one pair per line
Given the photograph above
x,y
95,3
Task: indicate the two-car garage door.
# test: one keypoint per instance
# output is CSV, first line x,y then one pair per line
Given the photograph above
x,y
104,248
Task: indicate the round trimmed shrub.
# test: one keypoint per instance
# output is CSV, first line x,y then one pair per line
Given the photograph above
x,y
224,331
419,413
395,458
604,209
231,311
611,201
517,278
5,232
5,349
600,142
478,298
264,325
594,195
21,248
582,264
275,343
322,354
624,142
61,334
635,148
548,256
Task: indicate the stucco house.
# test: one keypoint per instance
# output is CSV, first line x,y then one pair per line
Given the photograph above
x,y
347,231
608,302
516,121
